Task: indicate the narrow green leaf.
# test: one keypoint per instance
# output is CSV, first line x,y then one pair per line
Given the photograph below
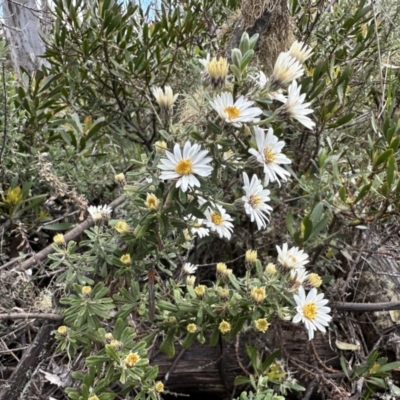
x,y
390,167
306,228
363,191
290,222
389,366
167,346
383,157
317,213
342,194
58,226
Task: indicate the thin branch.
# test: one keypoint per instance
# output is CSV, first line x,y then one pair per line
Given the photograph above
x,y
35,259
51,317
366,307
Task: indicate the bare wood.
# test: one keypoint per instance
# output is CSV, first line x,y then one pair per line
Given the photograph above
x,y
38,351
72,234
50,317
367,307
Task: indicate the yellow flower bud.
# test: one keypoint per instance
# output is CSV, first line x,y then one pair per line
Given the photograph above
x,y
160,146
223,294
262,325
191,328
116,344
190,280
200,291
221,269
120,178
59,239
125,259
224,327
62,330
93,398
86,290
159,387
251,256
109,337
314,280
258,294
122,227
152,202
270,269
132,359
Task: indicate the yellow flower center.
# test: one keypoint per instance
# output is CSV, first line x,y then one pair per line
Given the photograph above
x,y
254,201
216,218
184,167
232,112
310,310
269,156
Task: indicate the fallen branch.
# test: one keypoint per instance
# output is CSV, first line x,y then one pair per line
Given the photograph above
x,y
366,307
51,317
72,234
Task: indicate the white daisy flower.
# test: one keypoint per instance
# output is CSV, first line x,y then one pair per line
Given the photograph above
x,y
311,311
183,165
218,220
237,112
300,51
255,200
98,213
269,154
295,107
286,69
166,98
196,226
291,258
189,269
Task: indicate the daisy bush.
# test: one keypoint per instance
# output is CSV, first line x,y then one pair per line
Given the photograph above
x,y
215,171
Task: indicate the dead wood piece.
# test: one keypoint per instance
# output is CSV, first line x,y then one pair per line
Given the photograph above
x,y
214,368
39,350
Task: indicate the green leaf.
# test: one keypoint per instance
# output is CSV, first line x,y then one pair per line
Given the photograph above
x,y
390,167
342,194
376,382
188,341
290,222
389,366
383,157
363,191
344,366
112,353
241,380
341,121
317,213
306,228
167,346
58,226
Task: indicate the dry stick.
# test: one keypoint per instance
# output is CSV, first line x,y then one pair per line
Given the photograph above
x,y
51,317
72,234
366,307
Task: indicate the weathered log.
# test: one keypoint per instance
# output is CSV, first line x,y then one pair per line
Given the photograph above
x,y
39,350
212,369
